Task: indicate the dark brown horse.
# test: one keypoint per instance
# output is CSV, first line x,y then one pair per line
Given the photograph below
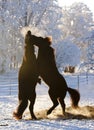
x,y
27,80
50,74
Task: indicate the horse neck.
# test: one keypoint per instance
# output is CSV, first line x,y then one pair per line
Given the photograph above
x,y
29,54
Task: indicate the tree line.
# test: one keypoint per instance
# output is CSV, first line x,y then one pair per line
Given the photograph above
x,y
71,28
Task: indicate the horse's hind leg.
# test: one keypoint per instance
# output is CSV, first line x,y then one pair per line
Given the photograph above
x,y
62,103
31,106
55,103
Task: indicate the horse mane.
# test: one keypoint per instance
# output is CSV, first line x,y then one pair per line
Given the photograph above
x,y
49,39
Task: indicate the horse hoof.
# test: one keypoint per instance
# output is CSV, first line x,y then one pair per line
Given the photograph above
x,y
34,118
48,112
16,116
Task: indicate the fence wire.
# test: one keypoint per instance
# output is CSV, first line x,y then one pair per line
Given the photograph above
x,y
9,82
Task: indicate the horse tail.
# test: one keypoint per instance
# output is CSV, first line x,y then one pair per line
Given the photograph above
x,y
75,96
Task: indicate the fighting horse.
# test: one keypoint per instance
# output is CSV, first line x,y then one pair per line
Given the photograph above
x,y
51,76
27,80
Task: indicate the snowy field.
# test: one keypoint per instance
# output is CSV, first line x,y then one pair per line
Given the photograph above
x,y
55,121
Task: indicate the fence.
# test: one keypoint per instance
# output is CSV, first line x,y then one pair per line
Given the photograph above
x,y
9,82
77,81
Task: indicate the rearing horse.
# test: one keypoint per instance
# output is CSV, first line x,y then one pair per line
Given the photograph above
x,y
27,80
51,76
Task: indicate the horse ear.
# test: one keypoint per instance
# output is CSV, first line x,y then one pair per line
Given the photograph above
x,y
29,32
49,40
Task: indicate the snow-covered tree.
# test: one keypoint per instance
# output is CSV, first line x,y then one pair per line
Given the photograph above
x,y
45,18
14,15
89,63
76,26
67,54
76,22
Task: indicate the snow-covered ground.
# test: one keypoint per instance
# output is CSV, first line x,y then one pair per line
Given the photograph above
x,y
8,103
